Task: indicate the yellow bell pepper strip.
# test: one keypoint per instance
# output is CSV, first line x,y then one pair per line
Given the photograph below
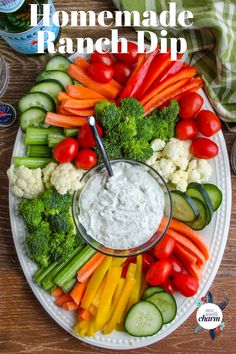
x,y
136,293
96,299
116,296
117,262
123,301
94,283
93,309
91,328
144,283
112,280
81,328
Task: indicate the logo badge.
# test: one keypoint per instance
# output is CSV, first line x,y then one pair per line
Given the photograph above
x,y
209,316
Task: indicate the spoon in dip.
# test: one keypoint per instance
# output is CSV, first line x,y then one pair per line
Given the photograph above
x,y
91,122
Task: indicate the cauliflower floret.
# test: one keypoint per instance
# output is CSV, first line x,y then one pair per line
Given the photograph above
x,y
66,178
199,170
165,168
157,144
179,152
180,179
25,182
156,156
47,173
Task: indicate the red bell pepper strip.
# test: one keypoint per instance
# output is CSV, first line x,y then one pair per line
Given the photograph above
x,y
136,80
172,69
170,93
158,65
182,74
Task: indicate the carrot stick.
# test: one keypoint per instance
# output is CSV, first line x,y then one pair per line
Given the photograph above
x,y
57,292
189,245
182,74
78,112
88,269
183,254
157,100
83,64
80,75
70,306
78,291
63,111
63,299
79,104
63,121
62,96
85,315
195,270
191,234
168,95
82,92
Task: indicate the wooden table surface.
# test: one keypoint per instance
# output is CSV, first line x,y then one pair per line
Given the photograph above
x,y
24,326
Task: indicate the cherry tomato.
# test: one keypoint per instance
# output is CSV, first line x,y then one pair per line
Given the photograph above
x,y
168,286
204,148
122,72
177,266
159,272
208,123
86,159
66,150
100,72
131,56
190,104
104,58
164,248
186,284
85,136
147,260
186,129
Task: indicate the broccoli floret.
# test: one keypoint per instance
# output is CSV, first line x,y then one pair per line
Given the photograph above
x,y
164,121
138,150
62,222
127,129
31,211
131,107
54,202
113,149
108,115
145,129
38,244
62,245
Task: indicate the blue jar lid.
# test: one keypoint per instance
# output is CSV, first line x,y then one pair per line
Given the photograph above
x,y
7,115
9,6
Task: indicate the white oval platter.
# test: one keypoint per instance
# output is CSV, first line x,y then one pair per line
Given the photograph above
x,y
214,234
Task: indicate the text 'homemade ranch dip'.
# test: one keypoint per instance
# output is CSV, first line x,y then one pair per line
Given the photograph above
x,y
122,211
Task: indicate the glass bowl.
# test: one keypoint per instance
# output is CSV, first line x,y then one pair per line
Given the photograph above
x,y
131,251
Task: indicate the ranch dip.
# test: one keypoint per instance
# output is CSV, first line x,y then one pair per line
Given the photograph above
x,y
122,211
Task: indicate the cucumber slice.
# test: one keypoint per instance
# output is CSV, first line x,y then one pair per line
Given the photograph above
x,y
143,319
33,117
36,99
150,291
214,193
201,221
58,75
196,190
183,208
51,87
58,62
166,304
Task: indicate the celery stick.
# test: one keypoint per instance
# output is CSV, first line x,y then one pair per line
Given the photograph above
x,y
48,281
70,270
70,132
54,139
68,286
42,272
38,151
31,162
39,136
